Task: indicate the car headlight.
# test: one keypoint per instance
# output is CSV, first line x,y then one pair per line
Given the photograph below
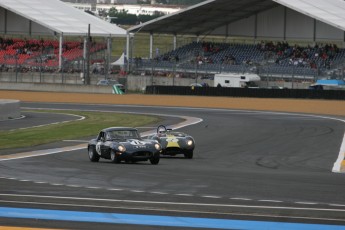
x,y
158,146
121,148
190,142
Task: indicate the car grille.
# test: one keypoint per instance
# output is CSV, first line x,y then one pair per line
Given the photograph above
x,y
172,150
142,154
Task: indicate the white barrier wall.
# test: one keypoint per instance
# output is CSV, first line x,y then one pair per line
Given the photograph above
x,y
55,87
9,109
134,84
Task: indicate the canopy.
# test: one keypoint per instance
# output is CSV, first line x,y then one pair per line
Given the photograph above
x,y
331,12
205,16
120,61
28,16
274,19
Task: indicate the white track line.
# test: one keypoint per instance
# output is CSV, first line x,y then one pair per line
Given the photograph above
x,y
176,203
338,164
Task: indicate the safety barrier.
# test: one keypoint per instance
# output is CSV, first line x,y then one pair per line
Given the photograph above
x,y
247,92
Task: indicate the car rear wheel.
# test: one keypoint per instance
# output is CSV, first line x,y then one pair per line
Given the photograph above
x,y
188,154
154,160
114,157
93,156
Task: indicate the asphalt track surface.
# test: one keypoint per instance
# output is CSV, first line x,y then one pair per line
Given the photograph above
x,y
273,168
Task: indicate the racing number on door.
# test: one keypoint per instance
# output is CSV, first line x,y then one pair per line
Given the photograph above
x,y
137,142
98,148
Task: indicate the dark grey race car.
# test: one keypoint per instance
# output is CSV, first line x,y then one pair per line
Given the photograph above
x,y
173,142
123,144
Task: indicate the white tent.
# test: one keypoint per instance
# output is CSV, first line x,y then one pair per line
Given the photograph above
x,y
52,17
313,20
120,62
330,12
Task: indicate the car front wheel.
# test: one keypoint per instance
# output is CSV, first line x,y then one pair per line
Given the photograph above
x,y
114,157
188,154
155,160
93,156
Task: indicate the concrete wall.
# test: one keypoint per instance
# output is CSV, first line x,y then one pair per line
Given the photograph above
x,y
35,77
71,83
9,109
55,87
139,83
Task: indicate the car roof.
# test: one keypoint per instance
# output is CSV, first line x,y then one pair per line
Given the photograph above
x,y
119,128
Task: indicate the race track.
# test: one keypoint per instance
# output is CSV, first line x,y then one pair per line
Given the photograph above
x,y
248,165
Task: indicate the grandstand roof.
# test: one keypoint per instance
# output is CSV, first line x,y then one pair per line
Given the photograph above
x,y
57,17
331,12
207,16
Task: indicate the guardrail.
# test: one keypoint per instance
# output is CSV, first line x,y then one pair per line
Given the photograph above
x,y
247,92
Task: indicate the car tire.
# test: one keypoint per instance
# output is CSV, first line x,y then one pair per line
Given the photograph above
x,y
114,158
188,154
155,160
93,155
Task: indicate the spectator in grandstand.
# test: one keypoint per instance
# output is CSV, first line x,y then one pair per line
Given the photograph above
x,y
177,59
229,60
248,62
138,62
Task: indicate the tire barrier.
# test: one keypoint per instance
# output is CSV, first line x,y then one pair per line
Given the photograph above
x,y
9,109
247,92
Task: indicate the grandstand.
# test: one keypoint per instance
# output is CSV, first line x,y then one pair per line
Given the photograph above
x,y
34,54
243,25
314,25
276,58
51,36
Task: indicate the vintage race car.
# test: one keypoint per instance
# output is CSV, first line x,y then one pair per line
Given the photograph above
x,y
123,144
174,143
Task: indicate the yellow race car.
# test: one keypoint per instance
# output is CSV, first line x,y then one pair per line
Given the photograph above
x,y
174,143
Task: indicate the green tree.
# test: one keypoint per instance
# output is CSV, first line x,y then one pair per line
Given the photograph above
x,y
145,18
112,11
124,18
180,2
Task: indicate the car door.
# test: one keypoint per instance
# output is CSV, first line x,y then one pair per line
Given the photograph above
x,y
100,145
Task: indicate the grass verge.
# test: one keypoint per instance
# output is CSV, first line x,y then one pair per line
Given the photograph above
x,y
91,125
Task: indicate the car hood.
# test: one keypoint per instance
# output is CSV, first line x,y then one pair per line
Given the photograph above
x,y
136,144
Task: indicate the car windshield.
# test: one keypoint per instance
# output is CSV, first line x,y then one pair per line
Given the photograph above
x,y
122,134
177,134
102,82
107,82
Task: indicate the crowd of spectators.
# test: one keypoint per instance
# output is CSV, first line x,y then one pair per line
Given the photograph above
x,y
24,46
167,57
32,55
5,43
280,55
39,54
209,47
284,54
319,56
229,60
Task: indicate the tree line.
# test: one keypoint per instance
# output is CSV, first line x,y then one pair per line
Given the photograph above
x,y
176,2
122,17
